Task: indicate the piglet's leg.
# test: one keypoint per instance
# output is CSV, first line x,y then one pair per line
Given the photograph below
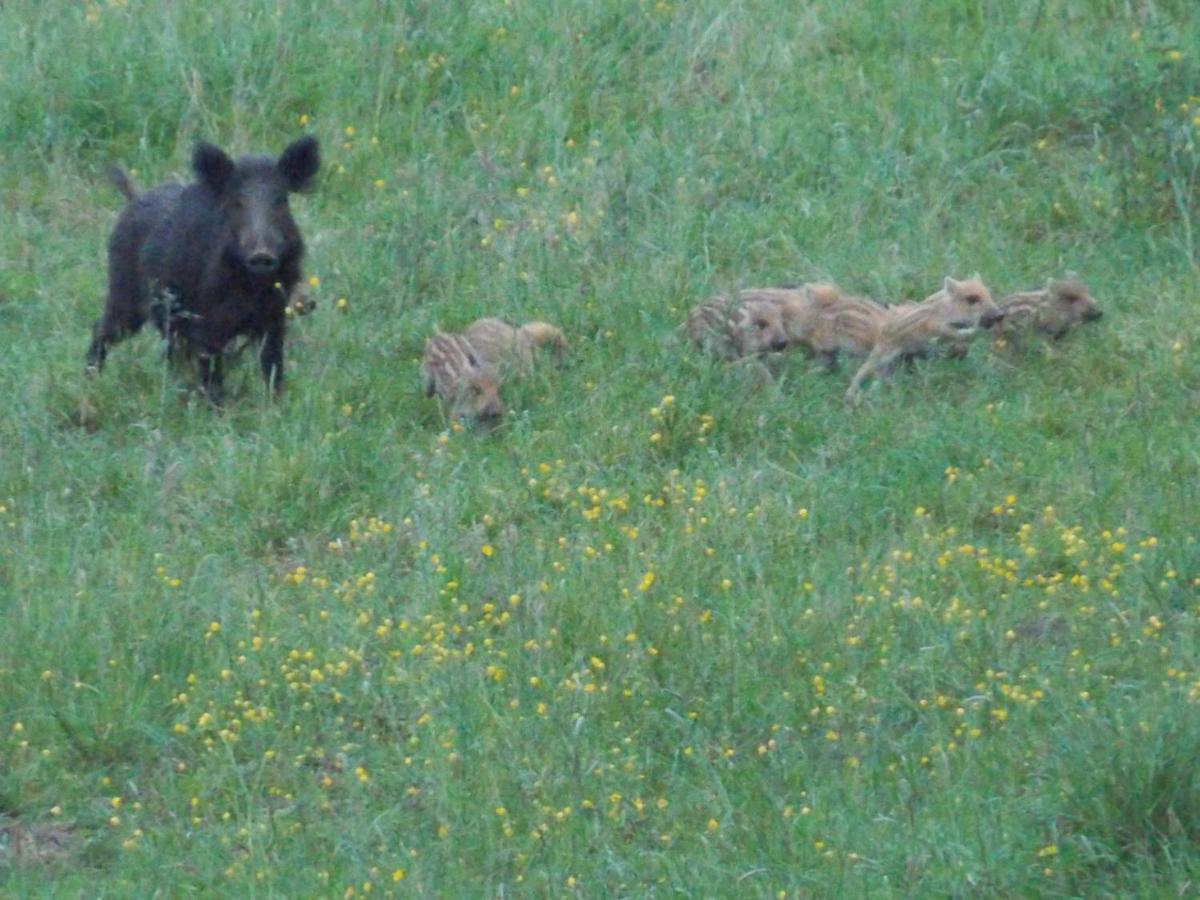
x,y
957,350
827,359
879,361
872,362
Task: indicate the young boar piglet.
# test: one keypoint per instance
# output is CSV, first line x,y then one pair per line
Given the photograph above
x,y
1059,307
453,371
825,322
509,350
954,315
733,329
798,306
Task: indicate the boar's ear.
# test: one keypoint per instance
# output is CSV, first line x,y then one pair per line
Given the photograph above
x,y
212,166
949,285
299,163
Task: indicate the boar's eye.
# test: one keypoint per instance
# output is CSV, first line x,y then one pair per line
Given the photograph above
x,y
973,299
761,324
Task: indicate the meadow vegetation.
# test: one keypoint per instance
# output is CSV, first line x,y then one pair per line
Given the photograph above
x,y
668,628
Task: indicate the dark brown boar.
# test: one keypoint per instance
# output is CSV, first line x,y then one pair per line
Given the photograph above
x,y
210,261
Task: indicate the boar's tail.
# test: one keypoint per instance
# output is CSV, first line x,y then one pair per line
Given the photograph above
x,y
122,182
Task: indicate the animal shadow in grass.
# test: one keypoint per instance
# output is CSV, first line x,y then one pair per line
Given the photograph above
x,y
163,388
36,845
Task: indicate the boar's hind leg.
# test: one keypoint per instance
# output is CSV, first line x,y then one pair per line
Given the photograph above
x,y
124,314
98,351
271,357
212,375
125,305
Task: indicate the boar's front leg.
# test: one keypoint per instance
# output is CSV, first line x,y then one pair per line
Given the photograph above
x,y
271,357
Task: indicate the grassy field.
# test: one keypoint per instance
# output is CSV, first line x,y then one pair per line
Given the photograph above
x,y
668,630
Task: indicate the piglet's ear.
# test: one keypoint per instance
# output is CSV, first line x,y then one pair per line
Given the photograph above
x,y
212,166
949,285
299,163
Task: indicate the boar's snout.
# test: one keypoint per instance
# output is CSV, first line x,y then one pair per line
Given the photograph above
x,y
991,318
779,344
262,262
1093,315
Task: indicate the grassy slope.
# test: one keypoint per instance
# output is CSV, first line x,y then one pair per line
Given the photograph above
x,y
739,659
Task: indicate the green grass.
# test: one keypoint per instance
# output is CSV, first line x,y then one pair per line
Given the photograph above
x,y
943,644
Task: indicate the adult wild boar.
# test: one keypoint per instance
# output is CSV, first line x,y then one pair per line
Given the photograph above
x,y
210,261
